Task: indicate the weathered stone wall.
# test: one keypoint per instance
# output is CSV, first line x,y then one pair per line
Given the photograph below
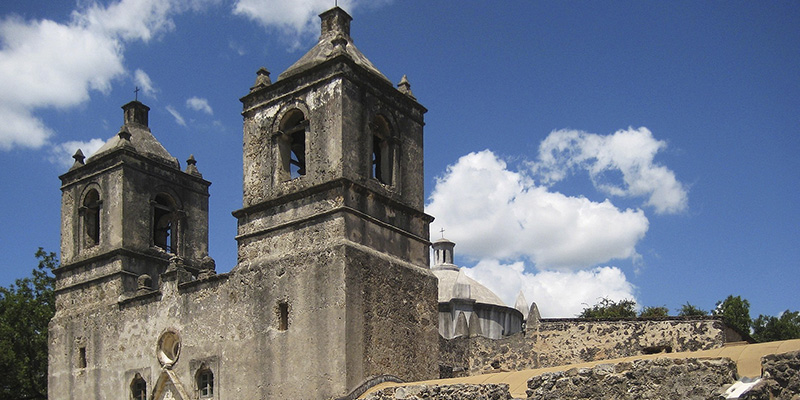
x,y
781,378
571,341
341,328
561,342
661,378
443,392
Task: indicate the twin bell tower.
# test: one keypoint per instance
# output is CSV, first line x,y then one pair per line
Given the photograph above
x,y
331,290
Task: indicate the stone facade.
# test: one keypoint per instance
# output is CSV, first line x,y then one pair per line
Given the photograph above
x,y
332,285
662,378
554,342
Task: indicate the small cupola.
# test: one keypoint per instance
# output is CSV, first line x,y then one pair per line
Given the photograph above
x,y
135,135
335,22
443,254
136,113
334,41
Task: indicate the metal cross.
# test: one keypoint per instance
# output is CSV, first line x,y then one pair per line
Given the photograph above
x,y
442,232
136,93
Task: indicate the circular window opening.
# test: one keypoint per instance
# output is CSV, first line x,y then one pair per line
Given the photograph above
x,y
169,348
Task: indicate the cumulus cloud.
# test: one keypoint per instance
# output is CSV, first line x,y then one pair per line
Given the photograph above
x,y
293,18
143,82
178,118
127,19
62,153
21,128
199,104
558,294
629,153
48,64
289,16
494,212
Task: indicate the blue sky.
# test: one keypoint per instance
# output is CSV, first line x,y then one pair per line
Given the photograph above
x,y
573,150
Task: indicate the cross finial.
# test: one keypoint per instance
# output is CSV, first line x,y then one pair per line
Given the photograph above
x,y
442,232
136,93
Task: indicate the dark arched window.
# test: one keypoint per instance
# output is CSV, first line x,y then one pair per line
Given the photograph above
x,y
382,151
91,218
205,382
292,145
138,388
165,233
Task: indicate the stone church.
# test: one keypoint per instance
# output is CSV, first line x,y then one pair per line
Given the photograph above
x,y
332,292
332,284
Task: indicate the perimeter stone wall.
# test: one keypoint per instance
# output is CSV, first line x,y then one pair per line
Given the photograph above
x,y
443,392
656,379
661,378
555,342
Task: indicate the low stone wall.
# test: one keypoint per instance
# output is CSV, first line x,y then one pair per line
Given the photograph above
x,y
660,378
561,342
781,378
443,392
554,342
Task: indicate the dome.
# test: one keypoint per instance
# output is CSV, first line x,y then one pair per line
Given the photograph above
x,y
141,139
455,284
467,308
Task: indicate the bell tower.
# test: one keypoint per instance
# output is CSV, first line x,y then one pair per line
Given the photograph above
x,y
126,211
333,211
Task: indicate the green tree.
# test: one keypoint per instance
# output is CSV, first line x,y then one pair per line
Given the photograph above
x,y
654,312
689,310
768,328
607,308
25,310
736,313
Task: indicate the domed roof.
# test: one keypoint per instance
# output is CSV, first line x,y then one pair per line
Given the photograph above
x,y
334,41
453,282
139,137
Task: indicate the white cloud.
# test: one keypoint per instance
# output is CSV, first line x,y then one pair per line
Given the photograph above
x,y
291,17
62,153
143,82
199,104
558,294
20,128
294,18
178,118
49,64
128,19
627,152
46,64
493,212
